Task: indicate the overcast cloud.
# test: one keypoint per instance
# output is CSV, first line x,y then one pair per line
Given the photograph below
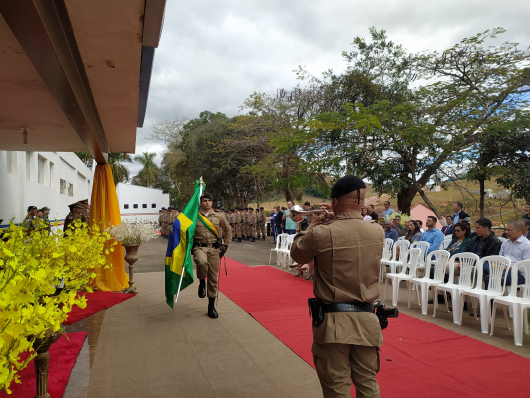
x,y
214,54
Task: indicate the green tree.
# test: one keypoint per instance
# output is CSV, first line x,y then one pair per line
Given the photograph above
x,y
120,173
150,170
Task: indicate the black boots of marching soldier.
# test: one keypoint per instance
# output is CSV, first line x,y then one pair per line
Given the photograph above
x,y
202,288
212,313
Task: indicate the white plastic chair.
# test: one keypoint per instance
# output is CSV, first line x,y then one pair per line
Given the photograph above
x,y
387,252
439,259
280,239
497,265
446,242
285,253
424,247
395,262
403,276
401,238
465,283
519,305
501,239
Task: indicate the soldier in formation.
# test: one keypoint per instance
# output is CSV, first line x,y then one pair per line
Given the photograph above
x,y
237,224
252,224
261,223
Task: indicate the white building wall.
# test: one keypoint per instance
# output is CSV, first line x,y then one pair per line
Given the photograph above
x,y
147,201
17,192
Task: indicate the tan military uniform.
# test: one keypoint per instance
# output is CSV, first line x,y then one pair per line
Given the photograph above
x,y
207,258
252,225
237,224
347,256
246,224
230,219
261,224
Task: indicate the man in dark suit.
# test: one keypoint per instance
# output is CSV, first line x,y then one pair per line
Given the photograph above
x,y
449,226
279,221
460,215
372,213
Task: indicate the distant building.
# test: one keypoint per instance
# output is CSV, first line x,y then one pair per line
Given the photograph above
x,y
140,203
52,179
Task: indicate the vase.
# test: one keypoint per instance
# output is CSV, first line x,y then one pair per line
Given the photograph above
x,y
41,345
131,256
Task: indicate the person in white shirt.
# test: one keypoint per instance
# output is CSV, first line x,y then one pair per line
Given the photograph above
x,y
516,248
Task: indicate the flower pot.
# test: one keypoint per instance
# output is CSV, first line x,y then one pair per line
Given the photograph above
x,y
41,345
131,256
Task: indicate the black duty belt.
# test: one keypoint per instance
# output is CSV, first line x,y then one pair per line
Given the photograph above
x,y
349,307
211,245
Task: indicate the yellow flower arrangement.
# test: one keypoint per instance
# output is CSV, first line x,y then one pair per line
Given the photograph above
x,y
32,266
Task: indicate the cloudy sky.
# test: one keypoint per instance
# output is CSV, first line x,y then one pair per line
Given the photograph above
x,y
214,54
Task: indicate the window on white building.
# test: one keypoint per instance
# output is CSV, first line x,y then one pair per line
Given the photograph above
x,y
52,175
144,206
28,165
42,164
153,206
70,189
63,187
125,206
135,206
12,162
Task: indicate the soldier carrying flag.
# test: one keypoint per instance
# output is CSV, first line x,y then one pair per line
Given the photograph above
x,y
196,231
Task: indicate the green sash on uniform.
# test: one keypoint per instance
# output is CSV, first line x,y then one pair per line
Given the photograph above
x,y
209,226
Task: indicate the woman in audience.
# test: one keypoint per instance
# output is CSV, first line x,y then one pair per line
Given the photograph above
x,y
413,233
461,240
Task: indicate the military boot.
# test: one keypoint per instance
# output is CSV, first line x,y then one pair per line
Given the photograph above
x,y
202,288
253,239
239,240
212,313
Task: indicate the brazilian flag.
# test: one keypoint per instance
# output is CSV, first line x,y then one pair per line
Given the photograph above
x,y
179,263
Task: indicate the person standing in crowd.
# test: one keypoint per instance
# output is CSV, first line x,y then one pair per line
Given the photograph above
x,y
390,232
206,249
345,346
246,223
289,223
526,211
160,220
305,219
279,220
229,218
372,213
432,235
526,222
413,231
460,215
30,221
272,218
388,213
449,226
76,210
262,220
45,217
252,224
239,224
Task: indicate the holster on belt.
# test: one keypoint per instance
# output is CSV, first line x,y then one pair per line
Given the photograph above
x,y
316,310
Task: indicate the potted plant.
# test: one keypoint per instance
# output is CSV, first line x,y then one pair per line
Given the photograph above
x,y
132,235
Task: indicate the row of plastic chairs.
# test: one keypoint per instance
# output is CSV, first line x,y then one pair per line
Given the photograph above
x,y
282,250
470,283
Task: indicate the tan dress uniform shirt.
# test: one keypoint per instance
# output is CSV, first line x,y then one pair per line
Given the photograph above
x,y
347,255
219,221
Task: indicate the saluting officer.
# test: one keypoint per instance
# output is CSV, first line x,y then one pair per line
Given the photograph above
x,y
346,254
206,250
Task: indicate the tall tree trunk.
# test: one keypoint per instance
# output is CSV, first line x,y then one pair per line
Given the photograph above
x,y
405,198
288,194
481,183
432,207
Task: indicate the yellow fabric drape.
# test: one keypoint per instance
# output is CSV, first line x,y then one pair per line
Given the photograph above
x,y
105,211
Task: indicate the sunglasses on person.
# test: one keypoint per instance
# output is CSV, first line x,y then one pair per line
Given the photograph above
x,y
458,230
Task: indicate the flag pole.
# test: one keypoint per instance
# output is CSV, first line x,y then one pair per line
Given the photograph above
x,y
201,183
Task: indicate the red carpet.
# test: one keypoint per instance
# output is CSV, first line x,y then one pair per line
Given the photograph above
x,y
418,358
96,302
63,355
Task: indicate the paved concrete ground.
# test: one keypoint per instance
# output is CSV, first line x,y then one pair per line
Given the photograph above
x,y
143,348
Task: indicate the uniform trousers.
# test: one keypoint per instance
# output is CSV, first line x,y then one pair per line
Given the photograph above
x,y
233,228
338,365
238,230
261,228
247,229
253,230
207,262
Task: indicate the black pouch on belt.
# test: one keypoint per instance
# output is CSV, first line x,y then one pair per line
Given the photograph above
x,y
316,310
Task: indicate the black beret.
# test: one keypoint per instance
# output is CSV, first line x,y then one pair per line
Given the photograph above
x,y
346,185
72,206
250,208
207,195
32,208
